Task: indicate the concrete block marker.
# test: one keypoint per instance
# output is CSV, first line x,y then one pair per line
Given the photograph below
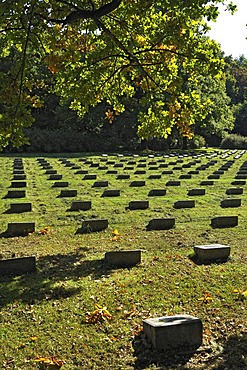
x,y
238,183
18,184
100,184
157,192
111,193
197,191
60,184
93,225
138,183
138,204
17,266
185,176
16,194
19,177
173,183
20,207
154,176
234,191
207,183
123,176
20,228
68,193
161,224
224,222
227,203
89,177
124,258
83,205
178,332
184,204
55,177
211,252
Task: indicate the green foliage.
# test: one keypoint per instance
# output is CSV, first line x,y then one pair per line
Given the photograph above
x,y
234,141
108,51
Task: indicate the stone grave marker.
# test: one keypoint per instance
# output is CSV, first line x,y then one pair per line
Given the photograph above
x,y
123,258
138,204
17,266
227,203
207,183
173,183
112,172
234,191
67,193
154,176
20,207
19,177
81,172
157,192
184,204
83,205
224,222
60,184
139,172
111,193
174,332
123,176
100,184
16,194
50,172
89,177
211,252
161,224
197,191
93,225
238,182
18,184
20,228
138,183
55,177
185,176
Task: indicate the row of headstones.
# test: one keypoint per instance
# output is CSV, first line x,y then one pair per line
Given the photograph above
x,y
177,332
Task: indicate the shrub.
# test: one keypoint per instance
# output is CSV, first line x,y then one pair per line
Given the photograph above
x,y
234,141
197,142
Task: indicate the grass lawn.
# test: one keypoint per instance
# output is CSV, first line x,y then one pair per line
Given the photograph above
x,y
47,313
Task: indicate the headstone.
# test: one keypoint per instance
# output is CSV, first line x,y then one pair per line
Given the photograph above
x,y
17,266
123,176
93,225
82,205
137,183
68,193
19,177
174,332
173,183
211,252
60,184
18,184
20,207
207,183
55,177
154,176
16,194
185,176
238,182
196,192
100,184
89,177
20,228
224,221
226,203
157,192
184,204
234,191
161,224
138,204
123,258
111,193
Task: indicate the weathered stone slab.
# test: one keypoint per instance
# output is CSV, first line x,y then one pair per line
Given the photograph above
x,y
234,191
60,184
140,172
123,258
89,177
17,266
224,221
137,183
184,204
173,183
238,182
18,172
207,183
213,176
55,177
154,176
16,194
93,225
20,207
123,176
197,191
167,172
100,184
227,203
19,177
161,224
83,205
185,176
50,172
81,172
111,193
112,172
174,332
18,184
241,176
157,192
68,193
211,252
138,204
20,228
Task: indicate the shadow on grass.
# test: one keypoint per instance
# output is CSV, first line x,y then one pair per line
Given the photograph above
x,y
146,356
51,269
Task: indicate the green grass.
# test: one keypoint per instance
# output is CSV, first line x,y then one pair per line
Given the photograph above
x,y
44,313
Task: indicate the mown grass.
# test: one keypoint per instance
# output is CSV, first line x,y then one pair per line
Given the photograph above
x,y
44,313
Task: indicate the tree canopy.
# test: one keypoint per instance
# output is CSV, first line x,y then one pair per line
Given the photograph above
x,y
107,50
